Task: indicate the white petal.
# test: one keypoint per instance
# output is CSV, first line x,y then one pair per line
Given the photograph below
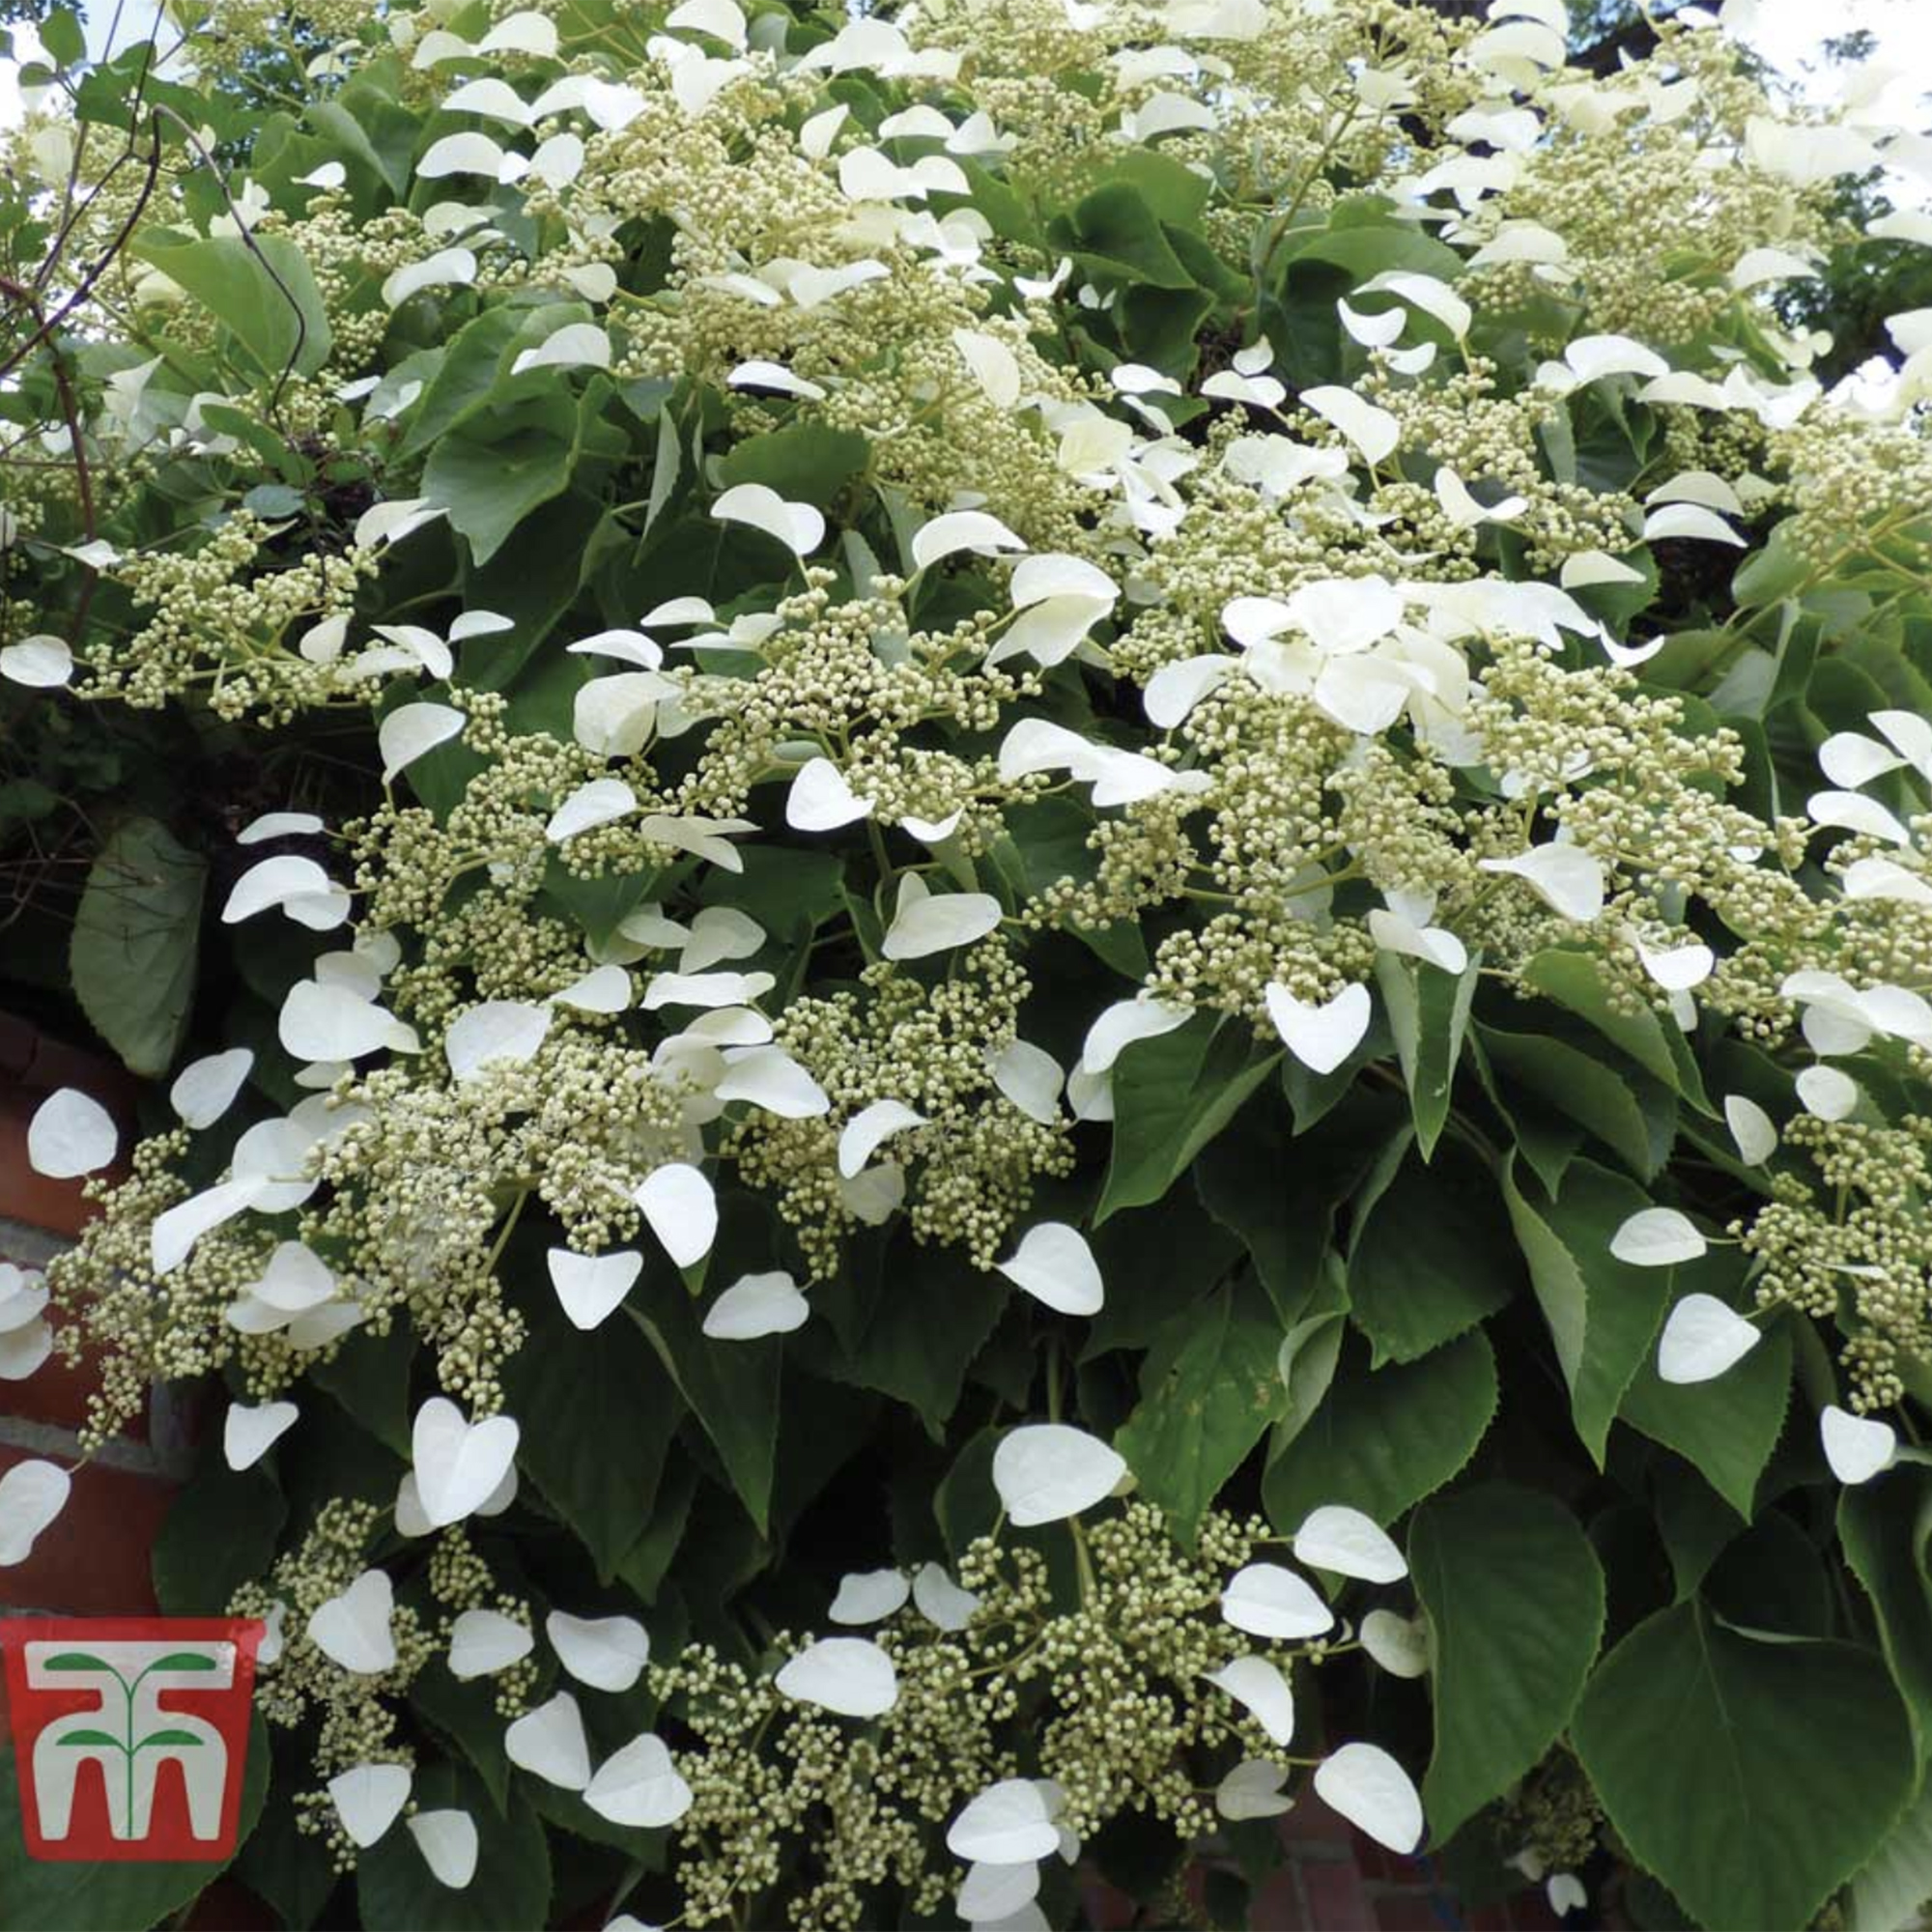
x,y
939,1600
958,531
353,1628
458,1463
1007,1824
1752,1129
549,1744
368,1798
448,1844
1258,1686
1373,431
991,1895
483,1642
1047,1471
870,1597
1345,1541
1054,1265
640,1786
850,1675
1253,1789
769,1077
1029,1077
412,729
500,1033
32,1494
71,1134
42,663
720,932
1267,1600
176,1229
1124,1023
603,989
682,1210
1570,880
1374,1793
1321,1037
799,527
1858,1447
992,363
1657,1237
319,1021
606,1653
1827,1093
821,800
206,1088
1678,968
1399,1644
869,1129
704,989
600,801
590,1286
1702,1338
247,1434
757,1305
938,923
1853,812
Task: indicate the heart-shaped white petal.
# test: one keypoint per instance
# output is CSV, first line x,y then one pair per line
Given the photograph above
x,y
483,1642
1031,1078
757,1305
32,1494
1657,1237
1399,1644
353,1628
850,1675
1045,1471
996,1895
769,1077
1373,431
799,527
206,1088
1267,1600
939,1600
1827,1093
368,1798
606,1653
1259,1686
928,922
1054,1265
961,530
640,1785
678,1203
821,800
1253,1789
1007,1824
448,1844
1122,1024
1372,1792
247,1434
43,662
410,731
549,1744
870,1128
1702,1338
458,1463
1567,879
500,1033
600,801
603,989
1858,1447
1348,1543
870,1597
1321,1037
590,1286
71,1134
1751,1128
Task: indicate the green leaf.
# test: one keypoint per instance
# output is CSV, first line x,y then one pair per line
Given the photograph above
x,y
221,1532
88,1737
510,1892
60,33
1432,1259
1514,1599
1602,1313
1885,1526
78,1660
1119,233
464,378
136,937
1383,1439
490,484
1558,1077
1888,1894
598,1414
1208,1390
109,1895
169,1736
805,463
369,1376
1172,1095
262,291
1727,1427
1575,982
1752,1777
1429,1013
184,1659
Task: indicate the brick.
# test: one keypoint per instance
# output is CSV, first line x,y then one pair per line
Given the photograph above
x,y
1408,1912
1276,1905
92,1559
1530,1912
1336,1900
1311,1823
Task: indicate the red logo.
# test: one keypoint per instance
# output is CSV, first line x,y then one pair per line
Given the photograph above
x,y
130,1733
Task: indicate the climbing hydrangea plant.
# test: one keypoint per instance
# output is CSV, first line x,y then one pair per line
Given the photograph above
x,y
1075,964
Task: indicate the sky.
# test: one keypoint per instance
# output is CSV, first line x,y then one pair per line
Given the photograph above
x,y
1788,32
